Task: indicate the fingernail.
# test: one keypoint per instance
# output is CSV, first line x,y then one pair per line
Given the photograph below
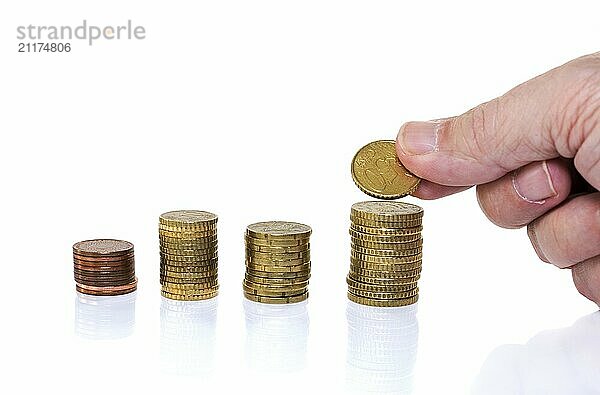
x,y
419,138
533,183
534,241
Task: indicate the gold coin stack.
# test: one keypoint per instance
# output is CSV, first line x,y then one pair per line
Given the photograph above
x,y
277,262
386,252
188,255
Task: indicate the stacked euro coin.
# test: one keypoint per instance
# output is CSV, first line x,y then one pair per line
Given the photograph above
x,y
277,262
386,252
104,267
188,255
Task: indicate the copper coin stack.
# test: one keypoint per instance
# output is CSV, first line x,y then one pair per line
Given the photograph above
x,y
386,253
104,267
188,255
277,262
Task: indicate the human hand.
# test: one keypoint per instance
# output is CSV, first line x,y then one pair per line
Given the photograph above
x,y
534,154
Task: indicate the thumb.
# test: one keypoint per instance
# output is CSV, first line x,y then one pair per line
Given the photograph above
x,y
544,118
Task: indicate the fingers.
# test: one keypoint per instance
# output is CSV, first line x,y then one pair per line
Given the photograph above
x,y
570,233
525,194
429,190
586,276
556,114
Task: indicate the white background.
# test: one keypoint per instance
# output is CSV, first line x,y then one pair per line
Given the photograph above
x,y
253,110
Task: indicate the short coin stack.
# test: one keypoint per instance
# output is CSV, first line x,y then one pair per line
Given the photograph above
x,y
386,252
188,255
277,262
104,267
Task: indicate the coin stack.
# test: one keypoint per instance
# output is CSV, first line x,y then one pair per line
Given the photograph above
x,y
386,252
104,267
188,255
277,262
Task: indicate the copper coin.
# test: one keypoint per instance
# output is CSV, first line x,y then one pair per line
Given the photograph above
x,y
124,263
103,275
92,269
115,258
101,284
102,247
107,290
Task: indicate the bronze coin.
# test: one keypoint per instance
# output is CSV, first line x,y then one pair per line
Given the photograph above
x,y
107,291
102,247
110,283
115,259
103,268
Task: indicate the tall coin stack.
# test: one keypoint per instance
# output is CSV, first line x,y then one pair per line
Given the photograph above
x,y
386,252
104,267
277,262
188,255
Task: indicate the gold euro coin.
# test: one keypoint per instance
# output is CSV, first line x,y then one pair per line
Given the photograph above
x,y
386,231
383,302
278,269
278,275
188,291
275,286
191,269
381,224
389,267
384,295
277,262
187,218
359,272
377,171
201,287
387,253
275,242
383,281
394,212
272,300
383,239
176,280
278,230
274,293
189,297
386,246
276,281
189,260
379,287
354,255
303,248
188,244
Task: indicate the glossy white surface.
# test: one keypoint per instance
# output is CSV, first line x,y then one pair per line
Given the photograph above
x,y
253,110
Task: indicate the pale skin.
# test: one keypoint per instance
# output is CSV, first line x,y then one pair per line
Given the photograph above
x,y
534,156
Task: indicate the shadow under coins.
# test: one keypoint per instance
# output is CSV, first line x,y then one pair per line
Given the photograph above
x,y
558,361
187,336
382,348
276,336
104,317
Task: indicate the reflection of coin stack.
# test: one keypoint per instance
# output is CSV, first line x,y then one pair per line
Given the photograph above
x,y
276,336
385,261
100,318
277,262
382,349
188,255
187,337
104,267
